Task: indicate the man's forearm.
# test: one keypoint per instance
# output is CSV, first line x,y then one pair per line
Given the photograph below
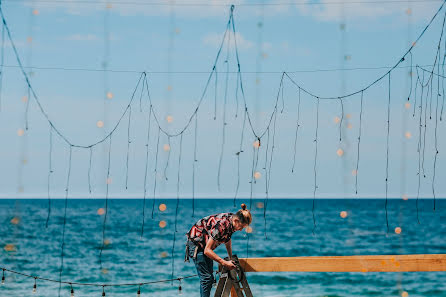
x,y
229,249
211,254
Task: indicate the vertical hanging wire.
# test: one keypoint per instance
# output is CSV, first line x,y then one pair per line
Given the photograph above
x,y
104,223
239,152
2,61
155,171
359,142
65,219
178,203
193,163
168,158
435,135
216,89
89,169
145,172
254,153
50,170
342,119
236,94
266,182
387,155
27,108
224,112
128,145
141,95
420,127
297,130
315,165
423,146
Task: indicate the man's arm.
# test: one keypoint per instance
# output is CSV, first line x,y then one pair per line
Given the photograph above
x,y
209,252
229,248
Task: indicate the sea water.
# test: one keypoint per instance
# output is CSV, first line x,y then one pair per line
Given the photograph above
x,y
280,228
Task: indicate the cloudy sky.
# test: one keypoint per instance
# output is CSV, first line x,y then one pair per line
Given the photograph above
x,y
330,48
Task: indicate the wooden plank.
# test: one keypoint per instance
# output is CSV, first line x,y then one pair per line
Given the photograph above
x,y
375,263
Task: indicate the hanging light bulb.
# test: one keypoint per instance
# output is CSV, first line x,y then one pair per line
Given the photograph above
x,y
138,294
103,291
3,277
72,291
35,285
180,289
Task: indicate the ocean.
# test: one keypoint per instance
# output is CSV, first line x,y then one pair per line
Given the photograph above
x,y
30,247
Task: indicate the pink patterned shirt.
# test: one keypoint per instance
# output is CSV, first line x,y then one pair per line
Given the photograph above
x,y
218,226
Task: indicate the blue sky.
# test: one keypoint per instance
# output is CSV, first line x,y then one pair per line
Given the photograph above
x,y
177,45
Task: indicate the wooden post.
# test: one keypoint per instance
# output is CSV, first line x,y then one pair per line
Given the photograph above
x,y
375,263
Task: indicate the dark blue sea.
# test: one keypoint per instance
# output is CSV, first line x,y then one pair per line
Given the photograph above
x,y
28,246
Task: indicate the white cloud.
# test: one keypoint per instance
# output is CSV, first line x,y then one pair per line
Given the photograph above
x,y
214,40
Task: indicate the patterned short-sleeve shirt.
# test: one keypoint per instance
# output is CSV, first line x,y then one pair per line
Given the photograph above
x,y
218,226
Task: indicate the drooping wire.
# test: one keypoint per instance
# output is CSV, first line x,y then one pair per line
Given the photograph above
x,y
266,183
145,172
193,164
411,76
359,142
168,157
387,155
297,130
107,185
178,203
315,165
225,98
128,147
239,152
342,119
96,284
215,91
2,58
50,170
155,171
436,138
65,219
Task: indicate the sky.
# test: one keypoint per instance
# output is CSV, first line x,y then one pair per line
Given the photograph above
x,y
329,48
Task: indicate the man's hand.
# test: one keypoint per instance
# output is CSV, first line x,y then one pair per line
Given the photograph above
x,y
229,264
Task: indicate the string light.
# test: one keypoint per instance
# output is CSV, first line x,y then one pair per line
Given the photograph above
x,y
72,291
138,294
343,214
35,285
398,230
103,291
3,276
109,95
340,152
257,175
100,124
180,289
169,119
20,132
162,224
162,207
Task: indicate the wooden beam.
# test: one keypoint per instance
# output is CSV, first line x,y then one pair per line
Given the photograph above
x,y
376,263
